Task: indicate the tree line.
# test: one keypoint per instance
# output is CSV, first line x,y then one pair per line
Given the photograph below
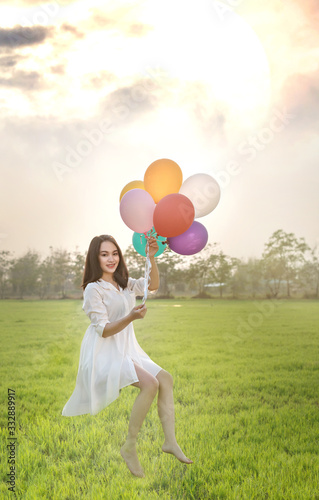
x,y
288,267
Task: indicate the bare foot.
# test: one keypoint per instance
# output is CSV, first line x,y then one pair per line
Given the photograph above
x,y
129,454
174,449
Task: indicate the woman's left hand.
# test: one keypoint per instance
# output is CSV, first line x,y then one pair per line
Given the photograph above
x,y
153,246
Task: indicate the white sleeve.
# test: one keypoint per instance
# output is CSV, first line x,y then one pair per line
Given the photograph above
x,y
95,309
136,286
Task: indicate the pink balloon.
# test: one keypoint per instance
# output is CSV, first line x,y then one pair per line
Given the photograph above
x,y
136,208
190,242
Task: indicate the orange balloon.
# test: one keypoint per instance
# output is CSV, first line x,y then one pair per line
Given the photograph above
x,y
132,185
161,178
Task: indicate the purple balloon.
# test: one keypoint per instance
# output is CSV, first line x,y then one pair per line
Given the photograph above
x,y
190,242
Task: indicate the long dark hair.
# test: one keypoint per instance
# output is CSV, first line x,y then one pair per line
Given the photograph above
x,y
92,269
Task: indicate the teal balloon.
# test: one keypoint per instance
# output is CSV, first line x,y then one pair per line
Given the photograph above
x,y
139,243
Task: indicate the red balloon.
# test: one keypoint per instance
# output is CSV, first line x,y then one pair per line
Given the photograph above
x,y
173,215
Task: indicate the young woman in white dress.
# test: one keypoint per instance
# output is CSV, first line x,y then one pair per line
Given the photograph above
x,y
111,357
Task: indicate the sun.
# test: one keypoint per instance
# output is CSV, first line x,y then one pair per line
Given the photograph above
x,y
211,45
199,44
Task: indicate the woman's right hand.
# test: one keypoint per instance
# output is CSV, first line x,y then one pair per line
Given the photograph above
x,y
139,312
117,326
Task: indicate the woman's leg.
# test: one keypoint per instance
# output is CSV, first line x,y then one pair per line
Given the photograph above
x,y
148,386
165,406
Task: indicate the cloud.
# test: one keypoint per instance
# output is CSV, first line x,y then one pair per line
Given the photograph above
x,y
58,69
149,98
311,9
132,100
7,62
25,80
99,79
304,32
73,30
23,36
117,20
137,30
15,69
300,95
211,115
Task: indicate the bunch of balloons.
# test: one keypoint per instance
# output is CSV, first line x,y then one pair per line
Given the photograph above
x,y
165,207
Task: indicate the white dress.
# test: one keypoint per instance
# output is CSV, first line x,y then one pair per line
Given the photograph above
x,y
106,364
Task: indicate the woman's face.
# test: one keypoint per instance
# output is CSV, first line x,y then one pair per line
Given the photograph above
x,y
108,258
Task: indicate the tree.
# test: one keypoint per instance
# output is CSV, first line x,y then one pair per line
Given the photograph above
x,y
62,270
46,276
309,274
166,263
25,273
200,271
246,277
134,262
253,271
222,270
77,268
238,280
5,267
254,274
283,256
168,270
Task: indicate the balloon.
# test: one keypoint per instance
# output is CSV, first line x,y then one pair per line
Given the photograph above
x,y
203,191
190,242
173,215
136,209
139,242
131,185
163,177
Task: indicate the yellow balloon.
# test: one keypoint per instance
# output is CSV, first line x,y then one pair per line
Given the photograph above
x,y
161,178
132,185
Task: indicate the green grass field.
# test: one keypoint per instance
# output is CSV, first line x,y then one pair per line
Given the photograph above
x,y
246,385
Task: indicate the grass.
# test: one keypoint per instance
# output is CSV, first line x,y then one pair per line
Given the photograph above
x,y
246,380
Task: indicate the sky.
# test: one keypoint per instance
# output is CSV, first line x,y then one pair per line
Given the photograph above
x,y
92,92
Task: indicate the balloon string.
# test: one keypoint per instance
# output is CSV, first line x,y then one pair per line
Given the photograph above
x,y
148,267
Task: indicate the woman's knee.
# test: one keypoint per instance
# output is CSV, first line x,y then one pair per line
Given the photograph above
x,y
165,378
146,380
150,384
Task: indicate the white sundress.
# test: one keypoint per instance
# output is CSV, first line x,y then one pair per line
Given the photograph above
x,y
106,364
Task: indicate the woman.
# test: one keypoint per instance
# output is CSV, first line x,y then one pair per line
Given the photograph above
x,y
111,357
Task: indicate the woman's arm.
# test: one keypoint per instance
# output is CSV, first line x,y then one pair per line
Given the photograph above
x,y
154,282
154,275
116,326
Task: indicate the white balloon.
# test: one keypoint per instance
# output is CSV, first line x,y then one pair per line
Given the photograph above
x,y
203,191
